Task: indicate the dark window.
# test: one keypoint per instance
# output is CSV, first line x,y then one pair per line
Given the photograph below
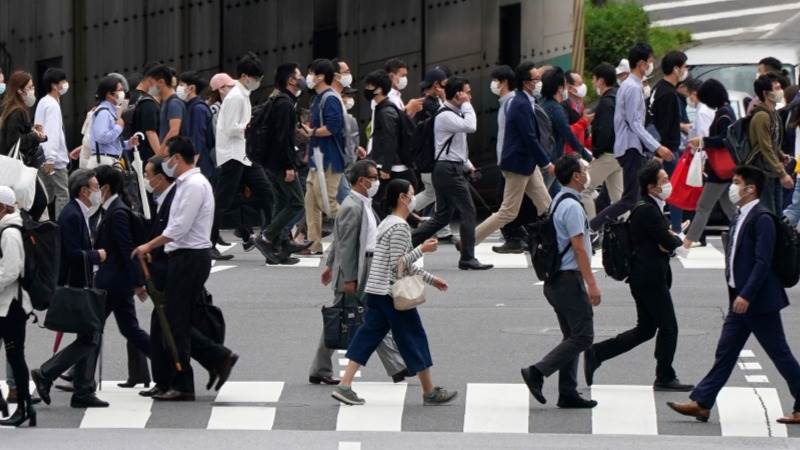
x,y
510,26
326,29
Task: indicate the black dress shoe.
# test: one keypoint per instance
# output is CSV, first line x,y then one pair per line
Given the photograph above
x,y
212,378
66,377
534,380
151,392
217,256
473,264
575,402
42,384
87,401
174,396
225,369
323,380
293,247
65,387
590,364
511,246
222,242
400,376
132,383
673,385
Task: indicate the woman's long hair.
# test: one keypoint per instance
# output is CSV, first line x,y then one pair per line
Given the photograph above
x,y
12,101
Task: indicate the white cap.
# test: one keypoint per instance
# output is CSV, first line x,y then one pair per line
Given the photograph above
x,y
7,196
623,67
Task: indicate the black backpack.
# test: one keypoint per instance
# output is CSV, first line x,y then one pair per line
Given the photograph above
x,y
406,135
543,244
617,248
423,143
257,135
544,126
786,256
42,243
129,116
738,140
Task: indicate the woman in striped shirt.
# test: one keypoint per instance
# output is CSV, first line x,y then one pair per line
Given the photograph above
x,y
394,244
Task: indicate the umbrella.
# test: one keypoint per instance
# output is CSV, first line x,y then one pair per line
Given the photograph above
x,y
323,187
159,303
57,342
139,169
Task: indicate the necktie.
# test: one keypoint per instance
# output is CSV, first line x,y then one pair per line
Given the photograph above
x,y
731,237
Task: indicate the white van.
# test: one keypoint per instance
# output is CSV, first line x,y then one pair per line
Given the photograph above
x,y
734,63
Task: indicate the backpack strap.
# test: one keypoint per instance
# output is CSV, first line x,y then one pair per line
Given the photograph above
x,y
325,96
446,147
553,211
19,280
97,144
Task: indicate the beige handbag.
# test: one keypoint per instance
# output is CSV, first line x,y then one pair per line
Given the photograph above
x,y
408,291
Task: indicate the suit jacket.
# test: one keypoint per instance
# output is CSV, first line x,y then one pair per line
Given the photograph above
x,y
75,241
649,230
119,273
158,222
522,151
753,276
347,255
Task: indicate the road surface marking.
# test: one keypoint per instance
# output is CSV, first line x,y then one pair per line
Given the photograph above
x,y
741,412
749,365
241,418
496,408
624,410
383,410
680,4
250,392
747,354
726,15
733,32
216,269
485,254
756,378
349,445
127,409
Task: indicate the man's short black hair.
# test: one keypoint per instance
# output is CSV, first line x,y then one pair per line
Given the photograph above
x,y
455,84
284,73
111,177
323,67
379,79
52,76
773,64
607,73
182,145
551,81
672,60
192,78
763,85
360,168
692,84
523,73
394,64
157,169
641,51
649,175
752,176
713,94
566,166
250,65
78,180
160,72
504,73
336,67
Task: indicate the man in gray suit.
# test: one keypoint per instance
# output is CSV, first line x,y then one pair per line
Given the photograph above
x,y
354,234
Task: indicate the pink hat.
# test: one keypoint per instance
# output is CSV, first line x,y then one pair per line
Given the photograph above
x,y
221,79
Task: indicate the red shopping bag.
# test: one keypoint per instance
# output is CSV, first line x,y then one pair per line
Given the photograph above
x,y
683,196
721,162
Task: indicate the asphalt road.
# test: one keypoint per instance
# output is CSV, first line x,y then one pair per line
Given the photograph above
x,y
488,326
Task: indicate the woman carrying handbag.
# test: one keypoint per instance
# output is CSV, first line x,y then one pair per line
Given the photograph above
x,y
16,129
386,313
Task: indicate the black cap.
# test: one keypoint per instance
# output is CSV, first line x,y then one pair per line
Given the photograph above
x,y
432,76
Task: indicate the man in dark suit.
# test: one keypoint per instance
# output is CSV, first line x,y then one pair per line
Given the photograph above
x,y
756,299
216,358
77,257
650,280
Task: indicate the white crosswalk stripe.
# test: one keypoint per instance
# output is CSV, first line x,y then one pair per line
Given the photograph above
x,y
125,410
383,410
496,408
624,410
741,412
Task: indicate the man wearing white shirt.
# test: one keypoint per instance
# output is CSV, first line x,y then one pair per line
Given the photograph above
x,y
54,172
450,131
235,168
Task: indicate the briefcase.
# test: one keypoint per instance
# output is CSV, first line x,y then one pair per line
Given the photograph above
x,y
342,321
77,310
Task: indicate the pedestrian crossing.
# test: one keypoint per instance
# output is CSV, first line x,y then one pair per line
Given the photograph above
x,y
485,408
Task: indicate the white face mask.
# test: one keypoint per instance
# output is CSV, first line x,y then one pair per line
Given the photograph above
x,y
373,189
494,86
537,89
181,92
148,187
734,194
402,83
349,103
252,84
311,81
684,75
153,91
2,88
168,170
120,96
96,198
666,191
646,91
580,91
564,95
776,97
29,97
588,182
346,80
649,71
63,89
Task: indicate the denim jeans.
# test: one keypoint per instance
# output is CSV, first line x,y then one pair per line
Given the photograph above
x,y
792,213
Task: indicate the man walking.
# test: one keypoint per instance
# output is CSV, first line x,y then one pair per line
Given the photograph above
x,y
54,172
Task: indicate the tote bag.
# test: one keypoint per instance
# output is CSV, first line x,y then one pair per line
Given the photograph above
x,y
21,178
408,291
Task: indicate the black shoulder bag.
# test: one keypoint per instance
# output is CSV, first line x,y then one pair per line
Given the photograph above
x,y
77,310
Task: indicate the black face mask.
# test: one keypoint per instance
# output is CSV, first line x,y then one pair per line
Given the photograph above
x,y
369,94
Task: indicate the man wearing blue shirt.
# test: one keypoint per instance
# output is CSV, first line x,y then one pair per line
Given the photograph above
x,y
326,136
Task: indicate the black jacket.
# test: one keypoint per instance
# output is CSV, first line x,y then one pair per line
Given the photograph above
x,y
649,230
75,242
665,108
118,273
158,223
603,124
282,125
717,140
18,125
386,135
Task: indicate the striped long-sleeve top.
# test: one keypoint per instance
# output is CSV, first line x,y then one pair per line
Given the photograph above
x,y
393,243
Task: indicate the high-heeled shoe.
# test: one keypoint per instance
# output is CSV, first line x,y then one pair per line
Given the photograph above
x,y
3,406
24,413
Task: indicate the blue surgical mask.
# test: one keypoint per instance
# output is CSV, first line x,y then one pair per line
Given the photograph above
x,y
2,88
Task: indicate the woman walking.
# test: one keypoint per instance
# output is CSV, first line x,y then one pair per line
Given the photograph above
x,y
393,245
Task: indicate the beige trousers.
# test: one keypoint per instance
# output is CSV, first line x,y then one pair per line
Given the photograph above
x,y
604,169
516,186
314,206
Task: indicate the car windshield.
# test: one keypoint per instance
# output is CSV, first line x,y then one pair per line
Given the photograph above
x,y
737,77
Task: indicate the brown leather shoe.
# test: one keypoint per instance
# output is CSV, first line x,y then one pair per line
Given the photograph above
x,y
691,409
792,419
174,396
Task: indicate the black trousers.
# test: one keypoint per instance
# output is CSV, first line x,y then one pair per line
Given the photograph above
x,y
631,162
12,332
452,194
230,177
379,202
288,203
187,272
655,313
